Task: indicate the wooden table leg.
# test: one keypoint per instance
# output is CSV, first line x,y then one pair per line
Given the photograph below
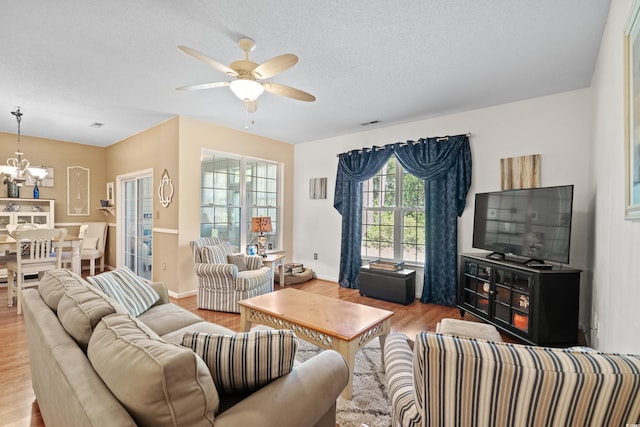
x,y
245,323
348,351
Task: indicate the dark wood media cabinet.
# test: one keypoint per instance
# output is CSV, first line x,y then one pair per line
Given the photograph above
x,y
537,306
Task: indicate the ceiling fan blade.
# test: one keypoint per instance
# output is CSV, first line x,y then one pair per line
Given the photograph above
x,y
275,66
289,92
209,61
203,86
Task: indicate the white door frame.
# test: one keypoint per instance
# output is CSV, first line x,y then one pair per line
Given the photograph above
x,y
144,173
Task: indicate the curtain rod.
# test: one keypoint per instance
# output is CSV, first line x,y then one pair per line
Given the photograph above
x,y
375,147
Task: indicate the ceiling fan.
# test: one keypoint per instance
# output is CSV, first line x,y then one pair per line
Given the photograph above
x,y
249,83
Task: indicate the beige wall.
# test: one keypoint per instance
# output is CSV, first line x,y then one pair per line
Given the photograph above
x,y
157,149
59,155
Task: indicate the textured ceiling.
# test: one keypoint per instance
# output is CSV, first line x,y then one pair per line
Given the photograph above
x,y
71,63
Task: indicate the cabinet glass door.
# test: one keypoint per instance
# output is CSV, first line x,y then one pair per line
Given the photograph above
x,y
513,298
477,286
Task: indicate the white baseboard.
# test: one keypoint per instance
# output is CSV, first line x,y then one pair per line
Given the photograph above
x,y
179,295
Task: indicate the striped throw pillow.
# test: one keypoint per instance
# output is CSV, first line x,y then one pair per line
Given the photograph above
x,y
128,289
216,254
246,361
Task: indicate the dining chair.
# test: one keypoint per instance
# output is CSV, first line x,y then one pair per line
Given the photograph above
x,y
94,237
37,251
10,255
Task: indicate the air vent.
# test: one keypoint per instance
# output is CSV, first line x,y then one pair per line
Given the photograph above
x,y
372,122
96,125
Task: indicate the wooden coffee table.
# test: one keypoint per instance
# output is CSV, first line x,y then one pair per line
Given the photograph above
x,y
327,322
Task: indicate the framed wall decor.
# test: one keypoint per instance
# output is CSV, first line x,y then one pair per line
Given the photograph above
x,y
318,188
520,172
632,113
110,193
78,188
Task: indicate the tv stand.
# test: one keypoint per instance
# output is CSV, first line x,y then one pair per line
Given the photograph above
x,y
537,306
537,263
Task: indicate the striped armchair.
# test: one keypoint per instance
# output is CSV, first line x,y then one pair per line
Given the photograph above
x,y
448,380
222,284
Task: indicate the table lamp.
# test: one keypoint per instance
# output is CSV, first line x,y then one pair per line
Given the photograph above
x,y
261,224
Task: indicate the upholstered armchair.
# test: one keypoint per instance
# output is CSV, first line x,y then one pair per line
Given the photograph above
x,y
447,380
224,278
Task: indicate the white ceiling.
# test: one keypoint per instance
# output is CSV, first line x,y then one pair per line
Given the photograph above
x,y
70,63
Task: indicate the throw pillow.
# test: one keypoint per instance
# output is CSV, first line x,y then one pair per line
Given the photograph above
x,y
244,362
128,289
238,260
90,242
159,383
215,254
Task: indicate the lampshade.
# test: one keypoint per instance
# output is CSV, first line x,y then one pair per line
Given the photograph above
x,y
261,224
8,170
38,173
246,90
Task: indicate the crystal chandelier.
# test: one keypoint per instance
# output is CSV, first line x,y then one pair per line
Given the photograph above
x,y
17,168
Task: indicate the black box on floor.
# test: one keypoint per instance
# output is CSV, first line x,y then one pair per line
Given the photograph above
x,y
395,286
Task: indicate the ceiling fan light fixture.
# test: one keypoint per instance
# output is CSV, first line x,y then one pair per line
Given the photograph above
x,y
246,90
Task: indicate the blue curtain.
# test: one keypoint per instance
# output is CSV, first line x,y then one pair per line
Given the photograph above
x,y
445,166
354,167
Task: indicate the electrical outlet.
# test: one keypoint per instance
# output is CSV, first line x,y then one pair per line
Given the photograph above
x,y
315,255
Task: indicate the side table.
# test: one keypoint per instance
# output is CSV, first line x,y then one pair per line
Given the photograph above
x,y
274,261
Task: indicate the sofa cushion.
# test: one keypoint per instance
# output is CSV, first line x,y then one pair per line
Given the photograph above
x,y
159,383
175,337
215,254
246,361
128,289
54,283
165,318
239,260
81,308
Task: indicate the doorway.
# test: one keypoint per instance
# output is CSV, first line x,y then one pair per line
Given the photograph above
x,y
135,222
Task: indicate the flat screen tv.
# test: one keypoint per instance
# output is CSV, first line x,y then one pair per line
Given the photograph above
x,y
534,223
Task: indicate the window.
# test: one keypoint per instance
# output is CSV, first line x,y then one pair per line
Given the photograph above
x,y
393,215
233,190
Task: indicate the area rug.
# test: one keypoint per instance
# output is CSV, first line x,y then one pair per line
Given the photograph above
x,y
370,402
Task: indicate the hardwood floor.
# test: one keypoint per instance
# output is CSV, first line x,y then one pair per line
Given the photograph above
x,y
17,402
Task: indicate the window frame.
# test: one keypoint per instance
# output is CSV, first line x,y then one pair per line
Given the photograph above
x,y
399,211
245,207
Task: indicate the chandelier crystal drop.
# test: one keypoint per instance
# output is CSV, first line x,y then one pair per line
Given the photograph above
x,y
17,168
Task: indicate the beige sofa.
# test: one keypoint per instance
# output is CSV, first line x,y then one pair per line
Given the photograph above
x,y
70,392
450,380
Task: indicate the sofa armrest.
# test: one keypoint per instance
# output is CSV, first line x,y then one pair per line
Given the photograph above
x,y
161,289
302,398
398,368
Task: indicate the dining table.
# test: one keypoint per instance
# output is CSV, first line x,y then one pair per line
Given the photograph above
x,y
8,243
